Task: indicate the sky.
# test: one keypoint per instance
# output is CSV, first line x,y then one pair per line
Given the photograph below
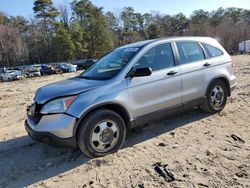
x,y
24,7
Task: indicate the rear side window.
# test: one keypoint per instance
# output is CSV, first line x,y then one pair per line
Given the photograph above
x,y
212,51
189,52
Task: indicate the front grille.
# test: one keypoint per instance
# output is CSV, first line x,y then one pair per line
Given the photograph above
x,y
38,108
37,114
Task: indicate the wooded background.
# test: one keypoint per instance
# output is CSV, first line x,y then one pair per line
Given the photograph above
x,y
86,31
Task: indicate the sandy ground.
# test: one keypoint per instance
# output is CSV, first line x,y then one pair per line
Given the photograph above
x,y
199,149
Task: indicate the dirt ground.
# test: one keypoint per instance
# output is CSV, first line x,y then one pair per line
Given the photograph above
x,y
199,149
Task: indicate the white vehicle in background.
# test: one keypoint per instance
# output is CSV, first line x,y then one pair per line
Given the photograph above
x,y
29,70
244,46
66,67
72,67
10,75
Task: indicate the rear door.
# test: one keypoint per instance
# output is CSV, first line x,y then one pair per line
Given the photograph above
x,y
194,67
160,90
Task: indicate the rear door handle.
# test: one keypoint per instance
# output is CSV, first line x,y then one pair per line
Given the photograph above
x,y
171,73
207,64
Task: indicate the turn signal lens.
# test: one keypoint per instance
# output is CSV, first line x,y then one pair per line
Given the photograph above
x,y
69,101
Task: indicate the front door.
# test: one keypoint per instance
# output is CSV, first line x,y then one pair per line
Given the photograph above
x,y
159,91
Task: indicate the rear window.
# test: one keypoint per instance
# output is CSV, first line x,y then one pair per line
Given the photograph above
x,y
190,52
212,51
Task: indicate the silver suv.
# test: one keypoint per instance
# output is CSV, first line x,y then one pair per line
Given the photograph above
x,y
128,87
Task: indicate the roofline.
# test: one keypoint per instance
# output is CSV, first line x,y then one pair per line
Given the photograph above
x,y
147,42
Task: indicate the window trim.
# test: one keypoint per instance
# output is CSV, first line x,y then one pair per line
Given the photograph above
x,y
207,51
204,50
205,54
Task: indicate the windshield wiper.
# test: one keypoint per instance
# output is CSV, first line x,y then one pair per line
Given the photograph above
x,y
93,78
87,77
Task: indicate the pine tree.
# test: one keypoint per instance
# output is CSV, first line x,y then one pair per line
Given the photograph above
x,y
63,45
77,35
153,31
97,36
46,12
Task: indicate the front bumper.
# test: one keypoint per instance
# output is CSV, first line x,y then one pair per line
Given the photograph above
x,y
56,129
49,138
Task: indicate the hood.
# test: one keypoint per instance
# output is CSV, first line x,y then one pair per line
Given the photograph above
x,y
65,88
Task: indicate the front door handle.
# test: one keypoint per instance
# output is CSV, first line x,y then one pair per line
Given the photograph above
x,y
171,73
207,64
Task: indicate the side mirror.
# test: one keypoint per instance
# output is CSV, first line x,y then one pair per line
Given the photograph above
x,y
142,72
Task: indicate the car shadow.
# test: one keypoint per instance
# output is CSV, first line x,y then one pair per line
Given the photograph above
x,y
25,162
168,124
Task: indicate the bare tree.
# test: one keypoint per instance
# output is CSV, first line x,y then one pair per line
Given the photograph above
x,y
13,49
64,14
34,38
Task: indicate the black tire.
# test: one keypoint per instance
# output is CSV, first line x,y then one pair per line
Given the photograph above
x,y
89,125
214,107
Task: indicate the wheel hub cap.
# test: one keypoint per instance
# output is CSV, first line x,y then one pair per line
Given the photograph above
x,y
217,97
104,136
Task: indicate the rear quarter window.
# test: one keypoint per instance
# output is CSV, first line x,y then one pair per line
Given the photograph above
x,y
212,51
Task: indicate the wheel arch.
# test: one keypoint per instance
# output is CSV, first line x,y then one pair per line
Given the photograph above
x,y
224,80
116,107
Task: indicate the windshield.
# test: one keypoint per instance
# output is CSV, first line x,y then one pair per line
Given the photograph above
x,y
111,64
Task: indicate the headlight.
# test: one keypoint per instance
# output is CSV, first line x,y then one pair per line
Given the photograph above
x,y
58,105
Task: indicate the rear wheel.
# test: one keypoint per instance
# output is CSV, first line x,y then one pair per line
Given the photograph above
x,y
216,97
101,133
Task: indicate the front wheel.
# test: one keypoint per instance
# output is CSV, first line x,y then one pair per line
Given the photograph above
x,y
102,132
216,97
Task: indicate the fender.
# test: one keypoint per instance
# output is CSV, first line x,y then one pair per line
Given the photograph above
x,y
224,79
123,112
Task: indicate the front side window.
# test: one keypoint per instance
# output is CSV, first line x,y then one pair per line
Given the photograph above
x,y
111,64
189,52
212,51
159,57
